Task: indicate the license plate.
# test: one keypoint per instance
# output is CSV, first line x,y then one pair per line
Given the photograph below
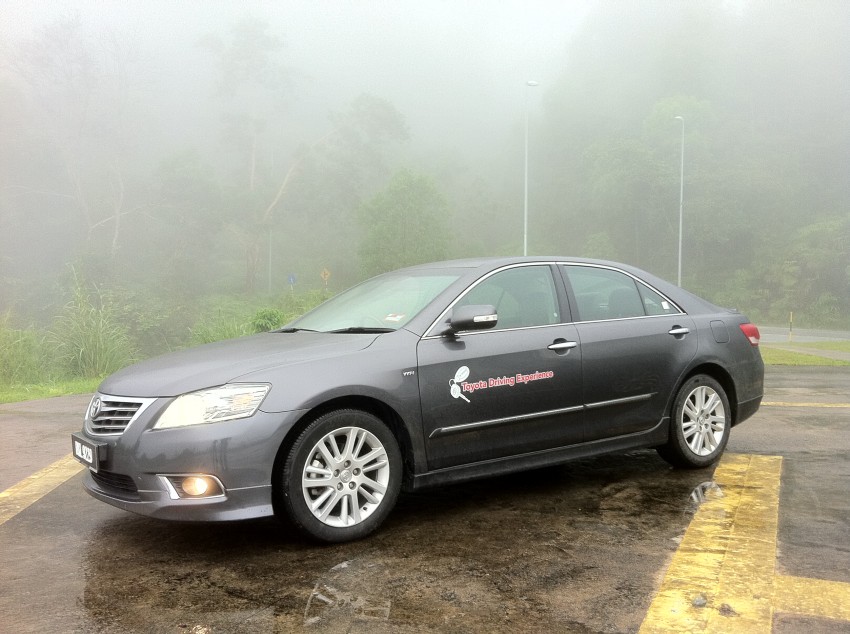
x,y
87,452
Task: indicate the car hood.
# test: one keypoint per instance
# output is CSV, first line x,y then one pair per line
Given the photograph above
x,y
218,363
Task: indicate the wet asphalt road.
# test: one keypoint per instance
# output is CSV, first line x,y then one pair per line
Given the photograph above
x,y
577,548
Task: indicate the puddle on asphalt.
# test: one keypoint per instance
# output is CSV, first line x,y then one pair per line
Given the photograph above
x,y
592,538
705,492
338,596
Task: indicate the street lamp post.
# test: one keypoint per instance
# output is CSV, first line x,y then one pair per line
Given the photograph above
x,y
681,196
525,208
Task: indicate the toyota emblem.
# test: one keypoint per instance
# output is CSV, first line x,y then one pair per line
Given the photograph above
x,y
94,408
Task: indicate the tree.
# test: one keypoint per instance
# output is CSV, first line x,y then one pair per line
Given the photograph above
x,y
404,224
328,175
763,162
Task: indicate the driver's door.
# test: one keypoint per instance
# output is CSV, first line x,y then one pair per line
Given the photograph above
x,y
511,390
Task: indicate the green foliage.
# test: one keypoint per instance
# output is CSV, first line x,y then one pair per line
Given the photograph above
x,y
765,221
24,355
89,339
833,346
218,328
267,319
404,224
807,273
293,305
779,356
228,318
46,389
219,317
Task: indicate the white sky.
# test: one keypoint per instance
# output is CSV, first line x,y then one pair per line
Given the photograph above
x,y
454,69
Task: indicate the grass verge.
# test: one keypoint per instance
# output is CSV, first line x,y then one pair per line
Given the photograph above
x,y
776,356
17,393
835,346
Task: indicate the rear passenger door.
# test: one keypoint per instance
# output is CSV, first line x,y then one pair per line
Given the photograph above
x,y
635,345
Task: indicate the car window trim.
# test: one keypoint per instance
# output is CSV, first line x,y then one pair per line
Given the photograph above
x,y
574,303
429,334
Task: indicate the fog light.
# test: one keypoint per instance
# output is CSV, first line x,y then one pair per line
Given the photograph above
x,y
192,486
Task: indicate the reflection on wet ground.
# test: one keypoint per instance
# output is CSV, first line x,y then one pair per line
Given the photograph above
x,y
344,594
705,492
491,555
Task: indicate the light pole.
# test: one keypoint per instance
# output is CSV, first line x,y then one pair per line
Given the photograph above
x,y
525,208
681,196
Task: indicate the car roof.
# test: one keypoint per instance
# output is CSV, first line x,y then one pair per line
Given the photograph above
x,y
497,261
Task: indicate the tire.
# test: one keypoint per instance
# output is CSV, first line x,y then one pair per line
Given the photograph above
x,y
700,424
341,477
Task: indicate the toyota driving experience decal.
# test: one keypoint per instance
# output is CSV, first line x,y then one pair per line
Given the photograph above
x,y
459,386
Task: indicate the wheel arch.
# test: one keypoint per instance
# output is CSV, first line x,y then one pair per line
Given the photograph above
x,y
376,407
719,374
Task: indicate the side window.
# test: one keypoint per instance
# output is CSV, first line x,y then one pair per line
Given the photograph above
x,y
656,304
523,296
604,294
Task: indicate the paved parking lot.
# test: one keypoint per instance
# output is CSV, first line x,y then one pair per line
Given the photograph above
x,y
614,544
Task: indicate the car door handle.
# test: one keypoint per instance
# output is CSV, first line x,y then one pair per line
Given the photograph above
x,y
563,345
678,331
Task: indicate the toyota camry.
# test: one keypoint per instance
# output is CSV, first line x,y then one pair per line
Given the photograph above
x,y
428,375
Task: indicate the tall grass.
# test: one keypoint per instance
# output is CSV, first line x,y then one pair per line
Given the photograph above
x,y
97,333
233,319
25,355
89,339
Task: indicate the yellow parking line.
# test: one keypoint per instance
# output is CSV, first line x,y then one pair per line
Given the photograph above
x,y
812,597
722,577
790,404
29,490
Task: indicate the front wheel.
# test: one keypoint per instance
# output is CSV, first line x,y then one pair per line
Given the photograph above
x,y
699,429
342,476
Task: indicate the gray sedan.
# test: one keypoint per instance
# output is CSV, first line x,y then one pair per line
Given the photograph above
x,y
428,375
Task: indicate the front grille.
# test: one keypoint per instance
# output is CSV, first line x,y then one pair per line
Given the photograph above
x,y
114,413
116,483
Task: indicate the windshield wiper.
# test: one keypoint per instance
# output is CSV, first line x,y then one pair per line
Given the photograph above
x,y
291,330
362,330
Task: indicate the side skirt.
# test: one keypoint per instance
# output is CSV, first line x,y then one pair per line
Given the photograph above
x,y
509,464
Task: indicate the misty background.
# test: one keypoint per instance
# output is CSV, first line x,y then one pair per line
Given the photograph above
x,y
172,173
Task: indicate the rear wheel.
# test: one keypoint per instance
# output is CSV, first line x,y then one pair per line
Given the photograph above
x,y
342,476
700,426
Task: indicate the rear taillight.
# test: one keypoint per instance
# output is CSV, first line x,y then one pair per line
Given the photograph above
x,y
751,332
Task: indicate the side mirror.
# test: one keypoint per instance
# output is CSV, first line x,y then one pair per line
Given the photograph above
x,y
474,317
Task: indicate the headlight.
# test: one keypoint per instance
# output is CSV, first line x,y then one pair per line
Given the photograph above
x,y
215,405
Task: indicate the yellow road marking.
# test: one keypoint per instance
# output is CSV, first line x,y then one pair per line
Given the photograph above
x,y
29,490
791,404
722,578
812,597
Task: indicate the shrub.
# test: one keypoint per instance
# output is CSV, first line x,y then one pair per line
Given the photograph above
x,y
267,319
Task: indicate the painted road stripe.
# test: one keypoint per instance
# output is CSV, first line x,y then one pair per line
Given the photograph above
x,y
29,490
788,404
722,578
812,597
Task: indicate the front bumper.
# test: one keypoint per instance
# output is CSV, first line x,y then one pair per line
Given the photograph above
x,y
235,504
240,454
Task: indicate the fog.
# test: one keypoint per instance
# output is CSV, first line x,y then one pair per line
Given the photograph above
x,y
456,71
176,158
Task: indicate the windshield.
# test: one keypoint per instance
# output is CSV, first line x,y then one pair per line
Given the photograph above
x,y
381,304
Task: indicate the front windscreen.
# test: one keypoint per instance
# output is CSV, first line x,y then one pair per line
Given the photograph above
x,y
386,302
